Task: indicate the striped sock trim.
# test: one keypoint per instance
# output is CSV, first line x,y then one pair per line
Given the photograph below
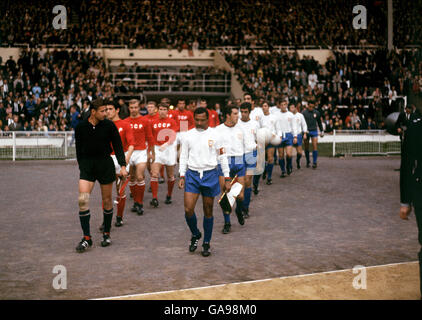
x,y
154,179
172,179
131,184
142,183
84,213
108,211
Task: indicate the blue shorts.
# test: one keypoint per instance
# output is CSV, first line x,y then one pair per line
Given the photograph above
x,y
236,165
299,140
250,159
208,186
286,141
313,134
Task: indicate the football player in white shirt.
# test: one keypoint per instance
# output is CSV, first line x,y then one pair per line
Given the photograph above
x,y
301,127
286,129
256,112
201,151
234,143
250,129
268,121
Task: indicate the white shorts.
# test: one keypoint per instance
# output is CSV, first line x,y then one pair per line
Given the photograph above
x,y
166,157
117,165
138,156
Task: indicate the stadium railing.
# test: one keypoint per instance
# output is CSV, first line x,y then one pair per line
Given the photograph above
x,y
16,145
361,142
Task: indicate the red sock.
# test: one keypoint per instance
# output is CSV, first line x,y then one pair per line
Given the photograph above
x,y
121,206
170,185
140,191
162,172
132,187
154,187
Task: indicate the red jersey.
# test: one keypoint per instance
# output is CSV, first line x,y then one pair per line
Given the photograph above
x,y
126,134
152,118
172,113
142,133
164,130
213,119
181,117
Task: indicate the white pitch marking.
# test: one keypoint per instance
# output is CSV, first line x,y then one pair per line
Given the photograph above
x,y
248,282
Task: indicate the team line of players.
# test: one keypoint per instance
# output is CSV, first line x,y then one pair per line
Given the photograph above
x,y
152,142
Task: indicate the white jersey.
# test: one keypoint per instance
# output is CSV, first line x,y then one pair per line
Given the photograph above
x,y
268,121
202,150
250,129
301,125
233,139
285,124
257,114
275,110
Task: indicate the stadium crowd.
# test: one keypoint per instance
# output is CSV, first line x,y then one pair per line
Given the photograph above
x,y
364,86
196,24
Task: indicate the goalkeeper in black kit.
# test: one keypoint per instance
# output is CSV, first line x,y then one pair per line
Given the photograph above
x,y
94,138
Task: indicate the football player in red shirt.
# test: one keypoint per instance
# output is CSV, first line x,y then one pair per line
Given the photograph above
x,y
142,154
213,119
128,142
164,130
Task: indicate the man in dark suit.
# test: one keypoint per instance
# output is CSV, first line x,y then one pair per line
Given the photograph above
x,y
411,177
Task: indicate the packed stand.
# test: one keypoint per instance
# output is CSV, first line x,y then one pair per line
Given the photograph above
x,y
50,92
367,84
185,24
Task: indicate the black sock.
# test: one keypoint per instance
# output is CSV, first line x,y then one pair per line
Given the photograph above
x,y
84,217
108,216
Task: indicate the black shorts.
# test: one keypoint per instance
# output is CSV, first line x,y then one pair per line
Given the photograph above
x,y
101,169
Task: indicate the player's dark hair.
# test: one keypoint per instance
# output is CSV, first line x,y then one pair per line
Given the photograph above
x,y
99,102
249,94
229,109
164,105
200,110
246,105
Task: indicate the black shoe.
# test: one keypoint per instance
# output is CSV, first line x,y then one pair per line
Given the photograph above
x,y
101,228
226,228
168,200
314,166
239,215
205,250
194,242
119,222
246,213
139,208
283,175
161,180
255,190
154,203
106,241
269,181
84,245
133,209
289,171
308,165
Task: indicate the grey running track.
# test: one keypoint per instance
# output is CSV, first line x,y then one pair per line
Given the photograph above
x,y
343,214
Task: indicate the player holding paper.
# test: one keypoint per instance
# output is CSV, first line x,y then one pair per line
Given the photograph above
x,y
201,151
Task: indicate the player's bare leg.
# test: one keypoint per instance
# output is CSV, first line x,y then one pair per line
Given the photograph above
x,y
289,159
270,164
208,224
85,189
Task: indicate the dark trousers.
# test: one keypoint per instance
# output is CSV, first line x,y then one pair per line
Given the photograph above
x,y
418,214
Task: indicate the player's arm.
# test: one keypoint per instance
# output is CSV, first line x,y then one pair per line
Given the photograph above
x,y
183,161
130,141
224,163
321,129
116,142
149,137
78,142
